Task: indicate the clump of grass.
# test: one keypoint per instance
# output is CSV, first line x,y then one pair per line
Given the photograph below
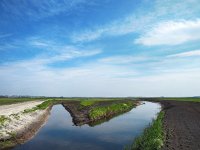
x,y
3,119
103,111
45,104
6,144
86,103
16,116
42,106
152,137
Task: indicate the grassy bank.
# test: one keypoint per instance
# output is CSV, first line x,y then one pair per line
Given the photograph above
x,y
188,99
152,137
86,101
7,101
103,111
42,106
3,119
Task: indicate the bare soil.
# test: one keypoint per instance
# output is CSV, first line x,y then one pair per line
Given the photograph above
x,y
182,125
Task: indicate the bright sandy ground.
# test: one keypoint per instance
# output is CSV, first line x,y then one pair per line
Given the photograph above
x,y
22,121
16,108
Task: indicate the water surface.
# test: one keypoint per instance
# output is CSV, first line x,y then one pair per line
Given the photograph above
x,y
59,132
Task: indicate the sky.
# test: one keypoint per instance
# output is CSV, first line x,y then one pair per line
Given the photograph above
x,y
98,48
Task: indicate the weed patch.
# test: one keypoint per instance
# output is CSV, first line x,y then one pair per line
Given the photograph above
x,y
152,137
99,112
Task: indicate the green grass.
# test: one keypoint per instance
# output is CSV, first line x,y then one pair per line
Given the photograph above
x,y
5,144
87,102
7,101
3,119
42,106
152,137
102,111
191,99
188,99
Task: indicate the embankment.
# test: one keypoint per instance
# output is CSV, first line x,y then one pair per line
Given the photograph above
x,y
93,112
181,123
17,125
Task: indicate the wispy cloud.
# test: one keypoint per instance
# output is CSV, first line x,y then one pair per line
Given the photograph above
x,y
140,20
66,53
119,27
171,33
7,46
186,54
5,35
126,59
108,80
38,9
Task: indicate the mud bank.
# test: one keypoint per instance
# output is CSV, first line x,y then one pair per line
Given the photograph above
x,y
80,114
22,127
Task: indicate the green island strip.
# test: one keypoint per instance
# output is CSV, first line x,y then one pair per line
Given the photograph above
x,y
103,111
86,103
42,106
152,137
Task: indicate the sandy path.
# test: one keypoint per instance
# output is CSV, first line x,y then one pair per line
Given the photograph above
x,y
21,123
16,108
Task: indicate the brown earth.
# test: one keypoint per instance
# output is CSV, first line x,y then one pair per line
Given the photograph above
x,y
182,125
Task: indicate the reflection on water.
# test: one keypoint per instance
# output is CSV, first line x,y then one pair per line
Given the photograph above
x,y
59,132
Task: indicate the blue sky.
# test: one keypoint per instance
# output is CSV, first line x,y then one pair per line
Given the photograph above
x,y
100,48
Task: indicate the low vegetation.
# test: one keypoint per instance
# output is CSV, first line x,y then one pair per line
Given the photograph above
x,y
13,100
86,103
7,101
103,111
42,106
188,99
3,119
152,137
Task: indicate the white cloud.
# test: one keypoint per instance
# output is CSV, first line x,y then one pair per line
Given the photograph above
x,y
125,59
66,54
96,80
39,43
171,33
187,54
123,26
140,20
101,78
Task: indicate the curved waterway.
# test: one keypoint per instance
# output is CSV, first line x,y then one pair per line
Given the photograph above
x,y
59,132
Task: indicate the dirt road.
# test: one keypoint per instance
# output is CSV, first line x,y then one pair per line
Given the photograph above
x,y
16,108
182,125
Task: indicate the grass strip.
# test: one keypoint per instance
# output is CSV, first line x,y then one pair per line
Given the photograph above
x,y
152,137
42,106
3,119
186,99
86,103
103,111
